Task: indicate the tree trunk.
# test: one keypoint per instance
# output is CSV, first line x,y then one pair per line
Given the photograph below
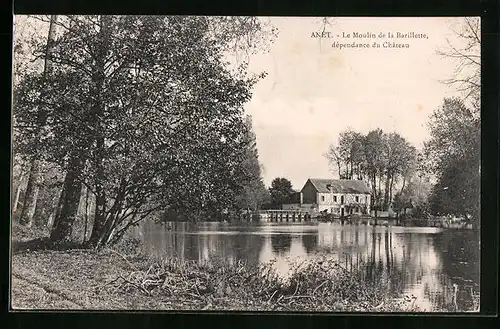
x,y
390,188
374,191
63,224
100,202
32,189
110,218
98,112
18,192
379,193
404,183
56,210
81,204
40,212
386,192
387,253
31,196
86,214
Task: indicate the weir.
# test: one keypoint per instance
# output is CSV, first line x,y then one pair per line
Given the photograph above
x,y
285,216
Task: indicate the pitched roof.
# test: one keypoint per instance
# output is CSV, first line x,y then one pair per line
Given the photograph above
x,y
339,186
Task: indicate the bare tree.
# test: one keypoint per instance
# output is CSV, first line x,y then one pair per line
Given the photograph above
x,y
466,52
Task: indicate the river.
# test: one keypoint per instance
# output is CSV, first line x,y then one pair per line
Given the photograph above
x,y
440,267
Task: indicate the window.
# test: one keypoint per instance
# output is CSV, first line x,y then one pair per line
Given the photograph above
x,y
341,199
366,199
357,198
334,198
322,198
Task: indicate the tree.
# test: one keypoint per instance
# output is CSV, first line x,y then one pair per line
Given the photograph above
x,y
374,157
455,129
140,119
467,55
453,153
348,153
414,194
374,164
230,169
33,183
281,191
400,157
457,192
400,203
253,192
335,160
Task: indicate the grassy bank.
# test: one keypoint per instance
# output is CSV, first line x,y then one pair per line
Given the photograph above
x,y
124,278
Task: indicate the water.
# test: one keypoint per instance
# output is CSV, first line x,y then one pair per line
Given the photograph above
x,y
439,267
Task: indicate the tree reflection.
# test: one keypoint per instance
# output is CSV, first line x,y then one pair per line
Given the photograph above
x,y
281,243
370,264
191,247
387,253
460,254
441,268
460,270
310,242
245,247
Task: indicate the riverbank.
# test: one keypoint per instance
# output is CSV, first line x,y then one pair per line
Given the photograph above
x,y
123,278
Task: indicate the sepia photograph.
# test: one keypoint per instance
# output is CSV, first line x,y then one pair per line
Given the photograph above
x,y
246,163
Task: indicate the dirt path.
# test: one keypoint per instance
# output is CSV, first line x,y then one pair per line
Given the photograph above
x,y
74,280
26,293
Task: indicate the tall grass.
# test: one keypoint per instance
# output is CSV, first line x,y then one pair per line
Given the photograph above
x,y
316,285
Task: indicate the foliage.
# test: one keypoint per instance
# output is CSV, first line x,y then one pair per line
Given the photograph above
x,y
281,191
399,203
242,36
26,34
252,192
453,152
414,195
144,111
373,157
457,191
454,155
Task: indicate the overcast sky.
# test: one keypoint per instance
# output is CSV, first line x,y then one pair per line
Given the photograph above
x,y
313,92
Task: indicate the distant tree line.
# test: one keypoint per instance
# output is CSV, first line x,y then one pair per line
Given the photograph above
x,y
451,156
380,159
400,176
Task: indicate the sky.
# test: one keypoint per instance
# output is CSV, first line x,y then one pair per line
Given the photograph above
x,y
313,91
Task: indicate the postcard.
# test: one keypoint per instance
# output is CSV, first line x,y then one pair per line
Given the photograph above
x,y
227,163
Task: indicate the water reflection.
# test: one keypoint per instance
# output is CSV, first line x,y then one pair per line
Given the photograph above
x,y
310,242
440,268
281,243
